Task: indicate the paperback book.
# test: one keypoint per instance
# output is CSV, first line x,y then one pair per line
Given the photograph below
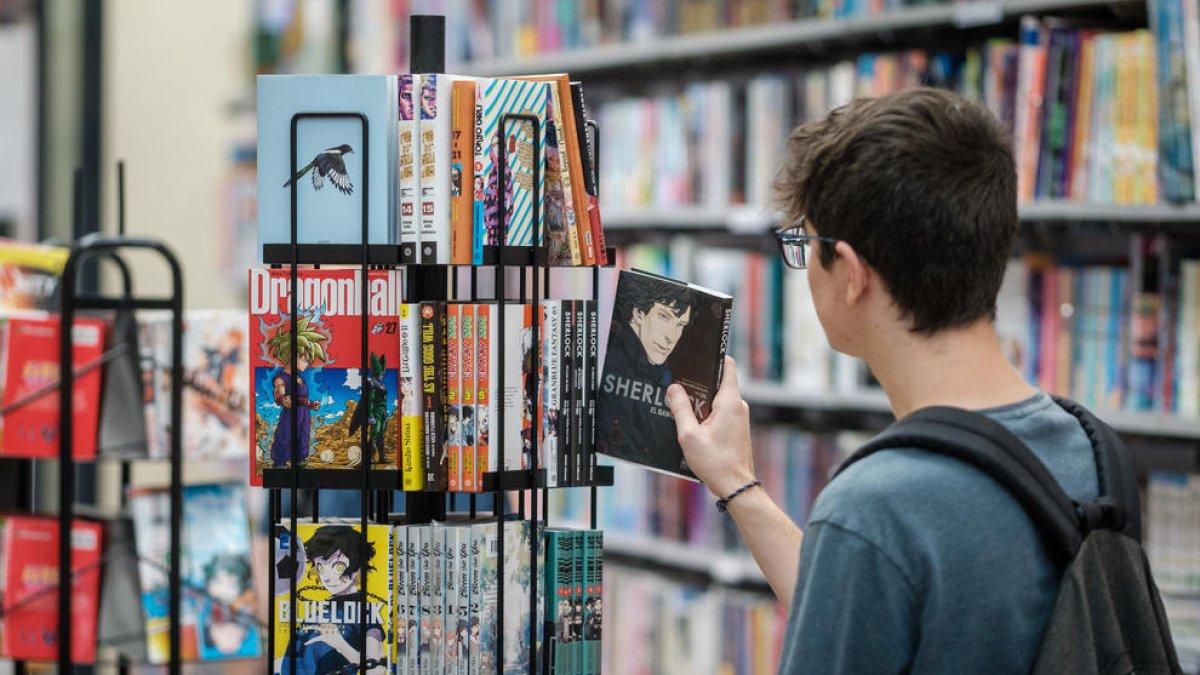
x,y
662,331
326,562
315,410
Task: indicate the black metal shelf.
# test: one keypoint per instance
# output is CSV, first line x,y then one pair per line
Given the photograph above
x,y
389,255
342,479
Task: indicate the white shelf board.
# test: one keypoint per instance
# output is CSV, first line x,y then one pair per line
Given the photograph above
x,y
721,566
746,41
776,395
750,219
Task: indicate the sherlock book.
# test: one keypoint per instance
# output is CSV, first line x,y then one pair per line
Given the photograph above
x,y
662,331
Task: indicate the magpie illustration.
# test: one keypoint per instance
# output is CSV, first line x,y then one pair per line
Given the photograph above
x,y
328,163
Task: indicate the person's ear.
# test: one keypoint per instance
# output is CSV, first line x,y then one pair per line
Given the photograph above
x,y
858,274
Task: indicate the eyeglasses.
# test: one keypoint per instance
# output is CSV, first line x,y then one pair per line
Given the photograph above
x,y
794,243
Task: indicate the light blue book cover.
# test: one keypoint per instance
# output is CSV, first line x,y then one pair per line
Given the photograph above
x,y
331,157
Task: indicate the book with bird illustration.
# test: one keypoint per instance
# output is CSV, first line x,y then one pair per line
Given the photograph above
x,y
338,163
313,408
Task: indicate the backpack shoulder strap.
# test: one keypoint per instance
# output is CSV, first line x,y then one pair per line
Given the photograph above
x,y
1116,478
987,445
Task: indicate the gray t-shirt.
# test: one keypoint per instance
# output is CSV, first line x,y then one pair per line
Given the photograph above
x,y
914,562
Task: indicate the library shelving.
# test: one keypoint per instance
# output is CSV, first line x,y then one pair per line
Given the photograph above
x,y
808,34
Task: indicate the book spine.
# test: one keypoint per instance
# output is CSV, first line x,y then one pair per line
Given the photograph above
x,y
409,156
412,403
549,385
593,616
453,396
400,600
575,617
414,567
591,237
1191,57
591,369
434,127
485,404
462,172
462,540
514,388
558,219
581,393
486,555
1030,82
433,345
568,395
482,167
450,602
469,413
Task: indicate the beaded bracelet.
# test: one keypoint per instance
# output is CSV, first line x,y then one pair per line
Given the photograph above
x,y
723,504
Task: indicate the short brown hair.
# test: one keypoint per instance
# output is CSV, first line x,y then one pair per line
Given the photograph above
x,y
922,184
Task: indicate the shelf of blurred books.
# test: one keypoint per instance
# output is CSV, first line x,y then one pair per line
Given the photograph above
x,y
724,567
649,42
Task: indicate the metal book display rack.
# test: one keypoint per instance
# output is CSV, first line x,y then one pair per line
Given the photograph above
x,y
422,283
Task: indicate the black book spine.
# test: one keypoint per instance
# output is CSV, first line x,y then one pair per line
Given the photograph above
x,y
433,381
726,319
581,393
562,424
567,413
585,140
589,416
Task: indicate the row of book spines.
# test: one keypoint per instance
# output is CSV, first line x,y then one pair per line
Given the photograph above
x,y
548,26
451,442
574,585
445,169
1172,531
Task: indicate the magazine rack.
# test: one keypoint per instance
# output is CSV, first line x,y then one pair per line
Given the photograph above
x,y
422,283
102,247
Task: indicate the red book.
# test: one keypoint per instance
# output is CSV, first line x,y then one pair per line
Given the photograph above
x,y
30,594
29,377
316,410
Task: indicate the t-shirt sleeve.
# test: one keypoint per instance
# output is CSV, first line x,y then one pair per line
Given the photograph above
x,y
853,610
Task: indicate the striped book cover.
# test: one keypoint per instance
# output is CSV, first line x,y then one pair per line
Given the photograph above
x,y
496,98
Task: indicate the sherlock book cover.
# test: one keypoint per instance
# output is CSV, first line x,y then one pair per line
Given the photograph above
x,y
662,331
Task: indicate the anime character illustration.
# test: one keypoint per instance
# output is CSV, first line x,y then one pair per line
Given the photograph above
x,y
595,618
376,412
406,98
227,622
329,633
291,389
429,97
456,174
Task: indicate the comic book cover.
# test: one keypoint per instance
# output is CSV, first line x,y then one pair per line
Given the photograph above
x,y
319,404
29,275
217,570
216,372
29,375
662,331
30,588
481,651
494,99
326,561
151,514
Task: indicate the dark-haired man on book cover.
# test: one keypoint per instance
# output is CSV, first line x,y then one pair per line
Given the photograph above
x,y
903,211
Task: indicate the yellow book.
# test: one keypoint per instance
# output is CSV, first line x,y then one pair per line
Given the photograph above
x,y
330,569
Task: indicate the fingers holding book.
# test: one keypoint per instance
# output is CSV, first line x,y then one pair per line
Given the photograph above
x,y
718,449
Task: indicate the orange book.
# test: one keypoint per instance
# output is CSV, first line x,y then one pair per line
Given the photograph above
x,y
569,145
462,171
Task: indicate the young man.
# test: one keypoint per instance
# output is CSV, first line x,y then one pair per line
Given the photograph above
x,y
904,212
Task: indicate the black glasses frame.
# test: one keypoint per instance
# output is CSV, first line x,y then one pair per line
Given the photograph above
x,y
794,242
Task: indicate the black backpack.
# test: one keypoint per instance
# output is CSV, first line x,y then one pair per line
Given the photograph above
x,y
1108,617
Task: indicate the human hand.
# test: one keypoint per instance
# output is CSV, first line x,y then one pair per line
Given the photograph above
x,y
717,449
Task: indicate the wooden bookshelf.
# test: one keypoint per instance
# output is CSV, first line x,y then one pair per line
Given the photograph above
x,y
758,40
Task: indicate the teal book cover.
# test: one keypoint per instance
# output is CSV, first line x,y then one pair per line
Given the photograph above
x,y
334,170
